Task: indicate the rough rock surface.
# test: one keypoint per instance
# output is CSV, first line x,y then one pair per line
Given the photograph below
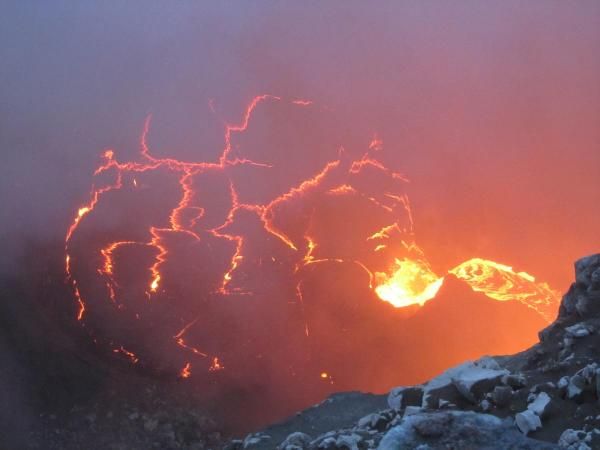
x,y
543,398
457,429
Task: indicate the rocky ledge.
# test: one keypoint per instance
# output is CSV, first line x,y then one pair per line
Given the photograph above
x,y
543,398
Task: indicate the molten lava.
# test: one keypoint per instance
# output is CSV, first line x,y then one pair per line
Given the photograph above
x,y
411,283
300,227
502,283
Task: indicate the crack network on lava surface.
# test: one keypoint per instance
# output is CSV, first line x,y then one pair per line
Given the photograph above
x,y
406,281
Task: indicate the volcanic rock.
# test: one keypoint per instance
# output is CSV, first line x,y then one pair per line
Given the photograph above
x,y
583,297
470,380
587,272
457,429
295,441
401,397
376,421
501,395
540,404
515,381
578,330
254,440
528,421
584,380
575,440
348,441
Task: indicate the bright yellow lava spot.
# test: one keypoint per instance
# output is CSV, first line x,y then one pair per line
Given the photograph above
x,y
412,283
154,284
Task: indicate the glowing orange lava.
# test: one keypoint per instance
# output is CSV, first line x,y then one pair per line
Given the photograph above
x,y
134,359
501,282
411,283
408,281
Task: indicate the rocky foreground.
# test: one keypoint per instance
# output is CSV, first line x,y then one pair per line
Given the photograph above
x,y
546,397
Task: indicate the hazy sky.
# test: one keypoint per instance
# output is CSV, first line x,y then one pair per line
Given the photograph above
x,y
491,108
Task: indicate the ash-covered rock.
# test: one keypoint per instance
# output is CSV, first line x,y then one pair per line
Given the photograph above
x,y
583,297
575,439
543,398
255,440
457,429
468,381
401,397
295,441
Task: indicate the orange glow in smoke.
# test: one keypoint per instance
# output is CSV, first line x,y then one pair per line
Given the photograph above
x,y
326,377
216,365
134,359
